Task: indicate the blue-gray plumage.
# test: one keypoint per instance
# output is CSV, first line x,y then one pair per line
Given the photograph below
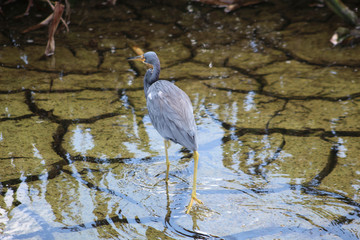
x,y
170,111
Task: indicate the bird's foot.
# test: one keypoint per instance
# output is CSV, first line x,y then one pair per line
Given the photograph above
x,y
193,197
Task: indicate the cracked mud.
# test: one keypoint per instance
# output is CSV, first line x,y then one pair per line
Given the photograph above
x,y
277,110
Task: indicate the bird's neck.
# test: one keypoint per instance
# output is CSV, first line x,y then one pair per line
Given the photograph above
x,y
155,73
151,76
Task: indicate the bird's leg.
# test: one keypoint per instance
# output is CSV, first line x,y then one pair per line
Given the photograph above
x,y
193,194
167,145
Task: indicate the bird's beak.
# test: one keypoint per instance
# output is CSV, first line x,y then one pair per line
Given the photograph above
x,y
137,58
140,58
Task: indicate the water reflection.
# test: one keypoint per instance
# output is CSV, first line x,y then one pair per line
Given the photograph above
x,y
7,113
249,101
24,57
82,140
340,141
254,46
37,154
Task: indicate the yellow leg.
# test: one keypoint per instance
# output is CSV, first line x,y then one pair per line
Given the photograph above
x,y
167,145
193,194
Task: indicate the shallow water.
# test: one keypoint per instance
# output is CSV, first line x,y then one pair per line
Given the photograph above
x,y
277,110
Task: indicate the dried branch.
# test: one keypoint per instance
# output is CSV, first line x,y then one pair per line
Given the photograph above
x,y
137,50
49,18
67,14
58,11
67,10
230,5
43,23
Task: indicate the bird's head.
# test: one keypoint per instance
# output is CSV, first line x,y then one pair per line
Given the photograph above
x,y
149,58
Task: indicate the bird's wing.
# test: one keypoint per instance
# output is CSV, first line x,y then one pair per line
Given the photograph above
x,y
171,113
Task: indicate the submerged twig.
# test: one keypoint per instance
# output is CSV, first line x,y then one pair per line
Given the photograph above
x,y
343,11
135,47
343,35
30,4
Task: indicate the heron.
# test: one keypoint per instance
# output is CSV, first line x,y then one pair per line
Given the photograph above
x,y
171,113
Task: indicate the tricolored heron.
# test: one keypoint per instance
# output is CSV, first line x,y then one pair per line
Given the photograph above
x,y
171,113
